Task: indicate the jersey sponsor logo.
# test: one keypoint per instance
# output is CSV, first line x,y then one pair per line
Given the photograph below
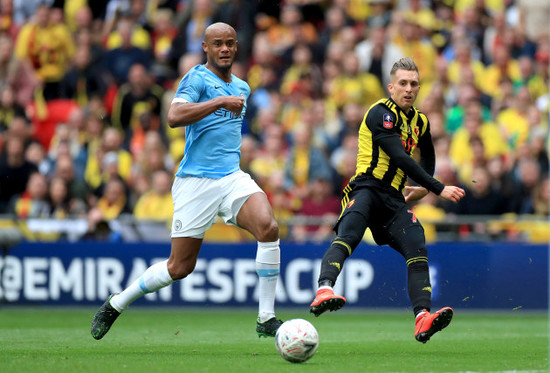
x,y
388,121
350,203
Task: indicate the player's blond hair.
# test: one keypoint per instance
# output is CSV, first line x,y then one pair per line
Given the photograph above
x,y
405,63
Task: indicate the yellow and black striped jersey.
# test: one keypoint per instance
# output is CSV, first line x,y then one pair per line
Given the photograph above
x,y
388,138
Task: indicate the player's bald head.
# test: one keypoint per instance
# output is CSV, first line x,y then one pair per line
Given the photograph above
x,y
218,29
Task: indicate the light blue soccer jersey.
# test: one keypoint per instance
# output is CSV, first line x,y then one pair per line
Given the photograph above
x,y
212,147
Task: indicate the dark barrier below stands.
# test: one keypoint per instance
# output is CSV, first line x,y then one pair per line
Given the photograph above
x,y
464,275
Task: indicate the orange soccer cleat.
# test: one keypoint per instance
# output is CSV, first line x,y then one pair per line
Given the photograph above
x,y
326,300
427,324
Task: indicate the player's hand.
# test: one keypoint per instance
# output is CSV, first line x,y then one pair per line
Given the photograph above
x,y
415,193
234,104
452,193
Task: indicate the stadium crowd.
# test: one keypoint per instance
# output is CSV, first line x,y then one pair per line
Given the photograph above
x,y
85,87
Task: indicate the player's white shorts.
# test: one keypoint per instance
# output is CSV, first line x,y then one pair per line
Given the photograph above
x,y
197,202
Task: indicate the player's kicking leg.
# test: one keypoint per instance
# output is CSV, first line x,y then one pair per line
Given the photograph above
x,y
427,324
103,319
326,300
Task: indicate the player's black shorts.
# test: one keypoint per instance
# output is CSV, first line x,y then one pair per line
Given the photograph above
x,y
385,213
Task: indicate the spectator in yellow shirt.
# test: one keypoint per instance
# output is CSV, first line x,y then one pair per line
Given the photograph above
x,y
502,67
461,151
513,121
156,204
49,47
352,85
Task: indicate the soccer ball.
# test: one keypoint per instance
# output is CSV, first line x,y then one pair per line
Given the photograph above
x,y
297,340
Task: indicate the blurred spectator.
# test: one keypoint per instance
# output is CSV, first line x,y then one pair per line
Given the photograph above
x,y
533,18
541,198
9,108
335,21
15,171
304,163
137,108
65,170
32,203
464,58
113,200
503,66
18,74
133,12
473,20
513,121
99,228
480,198
282,201
320,203
8,26
487,133
302,65
249,149
153,156
467,95
494,34
191,25
528,174
504,183
109,155
83,79
530,78
157,203
78,16
409,40
117,61
85,37
270,156
241,14
49,47
290,30
380,13
36,154
377,54
62,205
162,36
354,86
93,124
23,11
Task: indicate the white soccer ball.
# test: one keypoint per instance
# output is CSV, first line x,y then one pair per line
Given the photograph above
x,y
297,340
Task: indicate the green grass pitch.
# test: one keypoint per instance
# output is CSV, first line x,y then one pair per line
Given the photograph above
x,y
224,340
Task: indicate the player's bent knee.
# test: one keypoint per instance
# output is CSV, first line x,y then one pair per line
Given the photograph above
x,y
268,231
180,271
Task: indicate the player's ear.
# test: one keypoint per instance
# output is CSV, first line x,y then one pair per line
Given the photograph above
x,y
204,46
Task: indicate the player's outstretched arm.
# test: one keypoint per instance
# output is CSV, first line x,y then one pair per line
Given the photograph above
x,y
452,193
185,113
415,193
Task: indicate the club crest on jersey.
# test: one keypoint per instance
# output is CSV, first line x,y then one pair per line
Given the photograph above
x,y
388,121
